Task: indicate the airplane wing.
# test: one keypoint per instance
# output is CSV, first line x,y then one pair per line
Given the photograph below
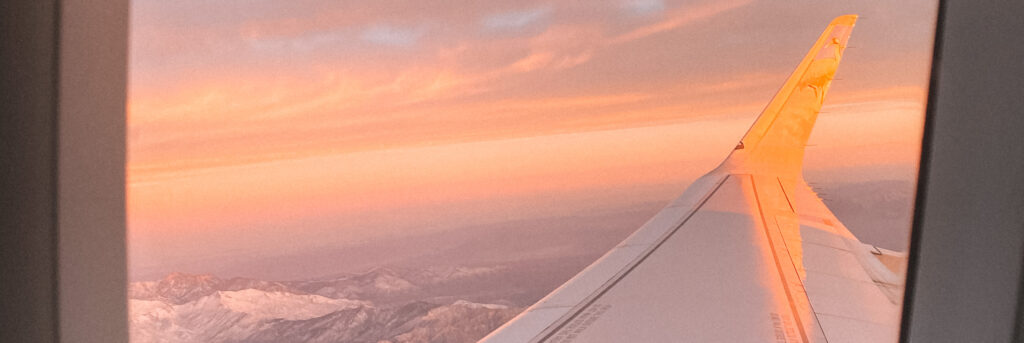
x,y
748,253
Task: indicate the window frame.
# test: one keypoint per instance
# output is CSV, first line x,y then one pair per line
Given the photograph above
x,y
63,205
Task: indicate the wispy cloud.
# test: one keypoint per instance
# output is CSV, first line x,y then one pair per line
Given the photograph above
x,y
515,20
388,35
319,86
304,43
643,7
684,16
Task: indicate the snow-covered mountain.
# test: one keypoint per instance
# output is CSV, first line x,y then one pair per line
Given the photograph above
x,y
226,315
409,323
391,285
180,288
375,284
205,308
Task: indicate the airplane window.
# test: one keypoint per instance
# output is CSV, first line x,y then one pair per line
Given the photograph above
x,y
409,171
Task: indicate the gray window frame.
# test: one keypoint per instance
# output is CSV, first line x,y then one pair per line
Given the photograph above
x,y
62,192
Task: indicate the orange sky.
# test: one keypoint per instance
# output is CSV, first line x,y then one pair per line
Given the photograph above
x,y
322,121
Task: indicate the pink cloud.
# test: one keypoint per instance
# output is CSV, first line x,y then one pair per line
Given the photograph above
x,y
680,17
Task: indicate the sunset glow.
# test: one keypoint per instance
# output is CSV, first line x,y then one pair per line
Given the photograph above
x,y
278,127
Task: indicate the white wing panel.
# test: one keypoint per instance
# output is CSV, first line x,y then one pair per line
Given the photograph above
x,y
713,280
749,262
572,298
714,277
846,330
591,280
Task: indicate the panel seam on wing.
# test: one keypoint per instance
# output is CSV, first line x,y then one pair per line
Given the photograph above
x,y
851,318
557,325
778,264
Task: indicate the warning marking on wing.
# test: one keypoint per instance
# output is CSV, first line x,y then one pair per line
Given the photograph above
x,y
571,331
783,328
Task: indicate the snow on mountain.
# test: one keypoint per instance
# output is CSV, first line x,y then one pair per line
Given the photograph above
x,y
415,322
153,321
381,284
372,284
202,308
180,288
260,305
461,321
389,281
236,284
225,315
474,305
443,274
364,324
258,316
177,288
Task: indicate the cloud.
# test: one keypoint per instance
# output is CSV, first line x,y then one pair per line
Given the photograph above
x,y
643,7
515,20
683,17
304,43
392,36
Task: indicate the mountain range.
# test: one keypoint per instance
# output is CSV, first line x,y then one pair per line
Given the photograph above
x,y
381,305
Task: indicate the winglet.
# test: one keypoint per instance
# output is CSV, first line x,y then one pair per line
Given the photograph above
x,y
775,143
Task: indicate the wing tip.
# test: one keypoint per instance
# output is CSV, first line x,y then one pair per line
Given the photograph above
x,y
786,132
847,19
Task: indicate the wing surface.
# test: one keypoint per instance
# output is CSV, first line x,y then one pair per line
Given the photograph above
x,y
748,253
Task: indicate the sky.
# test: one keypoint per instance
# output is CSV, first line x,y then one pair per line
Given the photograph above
x,y
264,128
